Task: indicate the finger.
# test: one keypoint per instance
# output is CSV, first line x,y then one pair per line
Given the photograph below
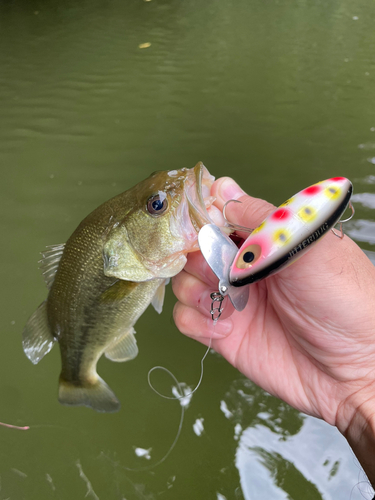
x,y
250,212
198,267
193,293
196,325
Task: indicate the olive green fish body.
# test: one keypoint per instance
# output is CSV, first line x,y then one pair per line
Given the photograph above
x,y
101,281
88,311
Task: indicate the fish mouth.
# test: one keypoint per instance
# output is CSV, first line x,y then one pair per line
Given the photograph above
x,y
197,188
196,208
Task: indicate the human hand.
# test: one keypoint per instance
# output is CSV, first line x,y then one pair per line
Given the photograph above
x,y
307,334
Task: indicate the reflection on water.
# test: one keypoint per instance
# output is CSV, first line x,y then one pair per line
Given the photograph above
x,y
370,179
281,452
362,230
365,199
316,459
247,405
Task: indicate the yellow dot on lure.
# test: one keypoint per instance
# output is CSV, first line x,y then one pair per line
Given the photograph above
x,y
287,202
307,214
282,236
332,192
259,228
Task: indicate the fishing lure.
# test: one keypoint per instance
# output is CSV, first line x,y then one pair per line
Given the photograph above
x,y
291,230
284,236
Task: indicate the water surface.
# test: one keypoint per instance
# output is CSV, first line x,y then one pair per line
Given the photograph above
x,y
278,95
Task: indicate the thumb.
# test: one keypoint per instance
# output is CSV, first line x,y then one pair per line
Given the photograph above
x,y
250,212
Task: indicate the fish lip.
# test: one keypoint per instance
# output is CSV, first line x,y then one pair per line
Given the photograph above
x,y
194,193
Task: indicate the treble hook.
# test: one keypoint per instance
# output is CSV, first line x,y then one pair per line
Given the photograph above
x,y
235,226
340,234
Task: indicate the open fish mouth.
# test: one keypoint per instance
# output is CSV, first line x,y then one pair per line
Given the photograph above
x,y
197,188
197,208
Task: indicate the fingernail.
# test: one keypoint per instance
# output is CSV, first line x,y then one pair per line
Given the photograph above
x,y
222,328
230,190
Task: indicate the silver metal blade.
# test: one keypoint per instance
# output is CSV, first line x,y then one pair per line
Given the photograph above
x,y
219,252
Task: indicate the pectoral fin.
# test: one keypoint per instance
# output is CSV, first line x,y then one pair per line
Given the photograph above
x,y
158,300
124,349
37,338
118,291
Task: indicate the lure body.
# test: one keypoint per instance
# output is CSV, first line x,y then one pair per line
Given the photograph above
x,y
289,231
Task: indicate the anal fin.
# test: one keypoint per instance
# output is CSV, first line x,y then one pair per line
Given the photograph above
x,y
37,338
123,349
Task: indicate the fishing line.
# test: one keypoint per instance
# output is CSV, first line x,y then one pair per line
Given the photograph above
x,y
215,314
182,396
176,398
151,466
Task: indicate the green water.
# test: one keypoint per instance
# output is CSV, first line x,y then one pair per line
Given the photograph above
x,y
277,94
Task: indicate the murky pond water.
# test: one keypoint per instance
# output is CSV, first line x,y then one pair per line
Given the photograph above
x,y
277,94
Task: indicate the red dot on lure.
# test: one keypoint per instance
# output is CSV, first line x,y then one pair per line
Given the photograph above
x,y
281,214
312,190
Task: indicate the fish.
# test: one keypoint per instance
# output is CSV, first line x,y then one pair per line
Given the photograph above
x,y
115,264
290,231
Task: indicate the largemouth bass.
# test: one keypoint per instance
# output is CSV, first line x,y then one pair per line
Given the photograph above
x,y
113,266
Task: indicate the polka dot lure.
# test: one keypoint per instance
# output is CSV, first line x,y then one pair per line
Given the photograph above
x,y
291,230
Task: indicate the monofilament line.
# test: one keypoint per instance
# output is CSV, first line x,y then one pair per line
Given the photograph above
x,y
179,388
182,396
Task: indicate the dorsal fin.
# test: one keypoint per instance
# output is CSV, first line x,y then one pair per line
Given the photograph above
x,y
50,262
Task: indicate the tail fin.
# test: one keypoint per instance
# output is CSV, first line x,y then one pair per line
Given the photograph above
x,y
97,396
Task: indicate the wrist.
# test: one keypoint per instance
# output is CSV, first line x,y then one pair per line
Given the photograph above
x,y
356,421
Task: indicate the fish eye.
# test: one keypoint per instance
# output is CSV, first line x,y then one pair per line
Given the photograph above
x,y
156,206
